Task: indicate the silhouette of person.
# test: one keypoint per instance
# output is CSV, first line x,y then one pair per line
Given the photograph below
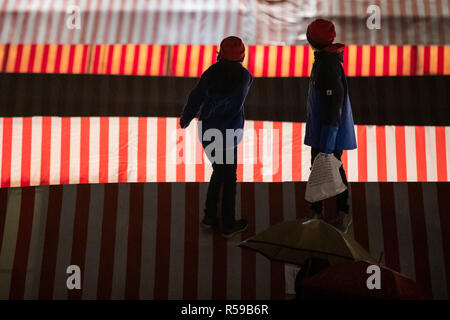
x,y
218,102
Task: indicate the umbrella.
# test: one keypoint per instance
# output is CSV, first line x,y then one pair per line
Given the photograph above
x,y
295,241
348,280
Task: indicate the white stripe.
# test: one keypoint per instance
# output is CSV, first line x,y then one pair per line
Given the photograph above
x,y
121,242
16,152
161,32
136,23
262,222
113,140
56,24
20,15
391,154
35,253
113,22
430,152
411,158
8,248
266,152
248,151
44,21
64,254
102,28
171,148
94,149
93,242
148,251
36,146
87,24
434,240
447,144
189,151
404,231
352,161
205,252
286,150
5,28
306,156
152,144
186,26
127,22
133,134
445,8
148,14
177,223
76,37
33,10
374,223
75,135
55,151
372,168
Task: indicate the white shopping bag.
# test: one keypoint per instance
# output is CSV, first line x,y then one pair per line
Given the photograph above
x,y
325,180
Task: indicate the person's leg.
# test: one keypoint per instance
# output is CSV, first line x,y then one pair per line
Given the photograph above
x,y
342,198
316,207
212,196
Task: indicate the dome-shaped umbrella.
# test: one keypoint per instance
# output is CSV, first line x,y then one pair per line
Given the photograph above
x,y
295,241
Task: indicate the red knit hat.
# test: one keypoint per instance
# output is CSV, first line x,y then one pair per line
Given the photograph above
x,y
232,49
321,33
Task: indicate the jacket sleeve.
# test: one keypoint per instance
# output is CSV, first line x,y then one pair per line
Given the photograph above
x,y
195,100
331,92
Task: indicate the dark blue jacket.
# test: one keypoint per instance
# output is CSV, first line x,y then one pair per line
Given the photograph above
x,y
216,110
329,124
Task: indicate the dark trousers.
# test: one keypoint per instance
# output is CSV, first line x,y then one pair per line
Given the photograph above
x,y
342,198
224,174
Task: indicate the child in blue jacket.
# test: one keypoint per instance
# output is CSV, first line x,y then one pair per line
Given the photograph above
x,y
218,102
329,124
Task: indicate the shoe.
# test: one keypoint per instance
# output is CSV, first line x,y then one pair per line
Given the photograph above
x,y
238,227
208,222
344,221
313,214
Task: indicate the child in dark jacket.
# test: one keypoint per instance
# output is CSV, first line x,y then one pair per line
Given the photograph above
x,y
218,102
329,124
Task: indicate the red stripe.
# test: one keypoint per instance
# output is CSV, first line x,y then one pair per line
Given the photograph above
x,y
277,152
441,59
386,58
162,60
6,152
426,58
359,207
441,157
419,235
149,59
110,61
266,61
80,228
399,60
104,150
421,155
214,56
389,225
344,160
20,266
276,216
136,59
251,60
301,206
123,56
346,59
359,61
48,267
187,62
279,61
248,261
84,60
45,59
381,153
162,256
108,242
18,58
401,153
58,58
123,149
292,62
5,58
443,190
297,151
161,151
65,150
71,59
305,61
362,153
45,150
414,62
26,151
134,252
173,63
32,57
96,62
201,56
181,154
142,150
240,159
373,60
199,162
84,150
258,151
191,242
